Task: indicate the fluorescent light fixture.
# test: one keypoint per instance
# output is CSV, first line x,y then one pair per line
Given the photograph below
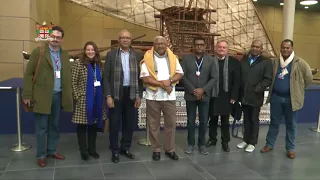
x,y
281,4
306,7
255,0
308,2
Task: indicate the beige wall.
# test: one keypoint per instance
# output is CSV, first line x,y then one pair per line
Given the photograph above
x,y
306,35
82,25
17,31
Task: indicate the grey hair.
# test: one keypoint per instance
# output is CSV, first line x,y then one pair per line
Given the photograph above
x,y
220,41
124,30
159,37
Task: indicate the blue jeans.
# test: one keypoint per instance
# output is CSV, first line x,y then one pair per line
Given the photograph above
x,y
203,109
281,107
47,128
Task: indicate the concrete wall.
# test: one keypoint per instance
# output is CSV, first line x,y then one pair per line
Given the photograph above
x,y
306,35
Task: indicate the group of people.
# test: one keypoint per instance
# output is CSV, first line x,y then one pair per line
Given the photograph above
x,y
211,84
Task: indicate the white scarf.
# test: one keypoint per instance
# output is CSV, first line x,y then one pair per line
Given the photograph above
x,y
284,63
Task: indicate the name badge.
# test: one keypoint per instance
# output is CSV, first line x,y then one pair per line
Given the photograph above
x,y
58,75
97,83
198,73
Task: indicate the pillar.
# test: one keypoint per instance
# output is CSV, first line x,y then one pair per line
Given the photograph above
x,y
288,19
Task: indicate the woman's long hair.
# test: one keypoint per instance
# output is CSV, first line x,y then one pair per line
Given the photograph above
x,y
96,59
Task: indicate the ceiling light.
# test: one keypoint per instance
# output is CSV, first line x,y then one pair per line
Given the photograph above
x,y
306,7
308,2
255,0
281,4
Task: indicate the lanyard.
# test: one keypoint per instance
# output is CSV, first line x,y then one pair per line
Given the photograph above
x,y
199,66
95,71
57,61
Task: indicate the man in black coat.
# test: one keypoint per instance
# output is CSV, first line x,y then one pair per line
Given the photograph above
x,y
256,76
227,89
200,74
123,90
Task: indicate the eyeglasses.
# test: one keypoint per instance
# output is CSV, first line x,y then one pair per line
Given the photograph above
x,y
56,37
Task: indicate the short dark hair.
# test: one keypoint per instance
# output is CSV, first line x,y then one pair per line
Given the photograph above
x,y
58,28
288,40
198,38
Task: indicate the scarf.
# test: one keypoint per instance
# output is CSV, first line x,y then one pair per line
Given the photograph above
x,y
225,75
118,73
152,66
94,96
285,63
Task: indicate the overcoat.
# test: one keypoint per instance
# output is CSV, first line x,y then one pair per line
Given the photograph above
x,y
79,85
42,91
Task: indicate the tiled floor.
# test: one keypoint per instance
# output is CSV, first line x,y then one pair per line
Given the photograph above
x,y
236,164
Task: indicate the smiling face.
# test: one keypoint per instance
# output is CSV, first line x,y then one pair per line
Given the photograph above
x,y
222,49
90,52
256,48
57,38
286,49
160,45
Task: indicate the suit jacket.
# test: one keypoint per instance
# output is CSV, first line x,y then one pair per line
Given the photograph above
x,y
108,77
206,80
42,90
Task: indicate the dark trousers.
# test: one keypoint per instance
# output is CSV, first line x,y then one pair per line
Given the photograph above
x,y
213,127
85,132
251,124
203,109
47,128
122,114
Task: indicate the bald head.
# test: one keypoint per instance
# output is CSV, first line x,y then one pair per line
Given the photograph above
x,y
160,45
256,48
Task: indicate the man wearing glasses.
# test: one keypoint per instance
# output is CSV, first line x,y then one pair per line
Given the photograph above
x,y
200,74
123,90
50,92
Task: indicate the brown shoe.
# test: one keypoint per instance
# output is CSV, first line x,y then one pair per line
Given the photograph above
x,y
42,162
56,156
291,154
266,149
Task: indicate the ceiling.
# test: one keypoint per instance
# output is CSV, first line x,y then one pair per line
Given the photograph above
x,y
276,3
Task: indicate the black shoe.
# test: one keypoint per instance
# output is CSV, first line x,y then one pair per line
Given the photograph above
x,y
156,156
115,158
225,147
127,154
94,155
211,143
172,155
84,156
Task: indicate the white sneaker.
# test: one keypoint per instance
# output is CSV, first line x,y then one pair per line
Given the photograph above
x,y
242,145
250,148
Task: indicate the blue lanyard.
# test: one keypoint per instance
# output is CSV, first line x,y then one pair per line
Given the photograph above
x,y
199,66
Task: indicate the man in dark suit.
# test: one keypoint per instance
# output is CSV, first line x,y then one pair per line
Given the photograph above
x,y
199,78
256,76
227,88
123,90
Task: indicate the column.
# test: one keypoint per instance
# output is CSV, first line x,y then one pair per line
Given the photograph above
x,y
288,19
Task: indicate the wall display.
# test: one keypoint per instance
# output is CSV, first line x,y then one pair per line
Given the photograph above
x,y
182,114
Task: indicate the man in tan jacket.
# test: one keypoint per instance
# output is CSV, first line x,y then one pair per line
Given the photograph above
x,y
291,76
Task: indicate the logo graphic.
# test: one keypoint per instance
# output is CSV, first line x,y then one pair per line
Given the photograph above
x,y
44,32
